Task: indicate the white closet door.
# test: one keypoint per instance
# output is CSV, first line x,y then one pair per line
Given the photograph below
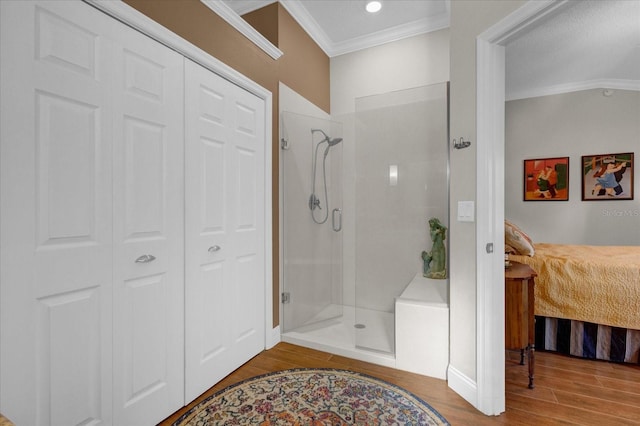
x,y
225,229
92,179
56,203
148,152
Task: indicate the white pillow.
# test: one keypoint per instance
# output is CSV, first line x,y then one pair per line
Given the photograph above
x,y
518,239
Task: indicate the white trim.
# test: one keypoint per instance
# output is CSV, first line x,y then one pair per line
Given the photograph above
x,y
490,357
391,34
130,16
462,385
490,77
575,87
331,49
310,26
273,336
528,15
243,27
248,6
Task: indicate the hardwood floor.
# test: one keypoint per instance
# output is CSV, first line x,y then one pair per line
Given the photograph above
x,y
568,391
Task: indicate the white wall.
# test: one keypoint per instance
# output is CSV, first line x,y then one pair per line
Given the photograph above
x,y
413,62
469,18
406,130
572,125
417,61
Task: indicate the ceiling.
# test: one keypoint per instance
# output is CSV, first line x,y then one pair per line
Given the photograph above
x,y
343,26
584,44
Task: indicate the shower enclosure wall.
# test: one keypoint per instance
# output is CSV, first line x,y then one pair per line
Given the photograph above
x,y
385,179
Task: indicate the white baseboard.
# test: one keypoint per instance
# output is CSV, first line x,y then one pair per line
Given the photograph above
x,y
462,385
273,337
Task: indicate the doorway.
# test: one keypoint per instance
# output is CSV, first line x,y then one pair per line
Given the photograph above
x,y
490,73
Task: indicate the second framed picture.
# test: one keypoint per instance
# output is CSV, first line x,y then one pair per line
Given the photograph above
x,y
546,179
607,177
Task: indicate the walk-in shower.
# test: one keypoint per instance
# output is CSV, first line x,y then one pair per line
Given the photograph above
x,y
357,192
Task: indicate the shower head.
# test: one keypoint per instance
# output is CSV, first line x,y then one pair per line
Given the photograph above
x,y
330,143
329,140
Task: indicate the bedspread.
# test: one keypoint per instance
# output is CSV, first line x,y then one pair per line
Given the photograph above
x,y
597,284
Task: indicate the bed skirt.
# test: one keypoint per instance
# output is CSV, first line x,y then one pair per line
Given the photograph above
x,y
587,340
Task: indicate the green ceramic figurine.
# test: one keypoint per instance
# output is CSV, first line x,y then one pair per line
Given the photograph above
x,y
435,261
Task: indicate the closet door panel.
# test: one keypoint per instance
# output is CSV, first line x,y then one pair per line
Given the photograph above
x,y
55,210
148,231
208,272
224,227
247,205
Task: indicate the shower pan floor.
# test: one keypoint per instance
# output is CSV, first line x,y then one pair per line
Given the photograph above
x,y
373,343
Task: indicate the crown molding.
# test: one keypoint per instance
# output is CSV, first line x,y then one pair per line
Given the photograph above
x,y
331,49
251,6
399,32
559,89
306,21
236,21
522,19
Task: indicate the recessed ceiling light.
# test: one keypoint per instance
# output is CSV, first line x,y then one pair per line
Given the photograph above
x,y
373,6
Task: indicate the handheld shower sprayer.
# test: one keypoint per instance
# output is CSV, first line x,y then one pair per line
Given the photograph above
x,y
314,201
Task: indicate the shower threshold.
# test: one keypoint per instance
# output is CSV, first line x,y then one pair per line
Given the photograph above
x,y
338,336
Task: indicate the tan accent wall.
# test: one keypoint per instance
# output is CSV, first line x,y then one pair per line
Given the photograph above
x,y
303,67
265,21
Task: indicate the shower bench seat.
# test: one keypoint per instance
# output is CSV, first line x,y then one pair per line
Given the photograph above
x,y
422,327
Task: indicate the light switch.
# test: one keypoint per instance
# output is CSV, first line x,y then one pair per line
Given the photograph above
x,y
465,211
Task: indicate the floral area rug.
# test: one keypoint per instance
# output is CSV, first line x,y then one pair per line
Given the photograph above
x,y
313,397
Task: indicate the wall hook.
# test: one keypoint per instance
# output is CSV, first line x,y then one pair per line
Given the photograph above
x,y
461,143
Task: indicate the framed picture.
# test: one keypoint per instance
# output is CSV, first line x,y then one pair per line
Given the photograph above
x,y
607,177
546,179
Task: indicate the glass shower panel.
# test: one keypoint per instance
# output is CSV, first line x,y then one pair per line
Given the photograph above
x,y
312,220
401,181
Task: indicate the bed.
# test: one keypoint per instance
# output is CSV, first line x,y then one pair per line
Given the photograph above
x,y
587,299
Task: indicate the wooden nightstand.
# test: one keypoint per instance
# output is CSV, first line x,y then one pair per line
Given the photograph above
x,y
519,312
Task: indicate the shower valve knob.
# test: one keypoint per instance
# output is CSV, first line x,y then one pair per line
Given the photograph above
x,y
314,202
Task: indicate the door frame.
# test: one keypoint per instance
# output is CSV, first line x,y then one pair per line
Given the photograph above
x,y
137,20
490,103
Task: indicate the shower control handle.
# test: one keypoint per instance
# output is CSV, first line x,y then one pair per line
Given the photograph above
x,y
314,202
337,228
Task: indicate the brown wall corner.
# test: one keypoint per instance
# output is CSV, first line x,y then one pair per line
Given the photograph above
x,y
304,67
265,21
